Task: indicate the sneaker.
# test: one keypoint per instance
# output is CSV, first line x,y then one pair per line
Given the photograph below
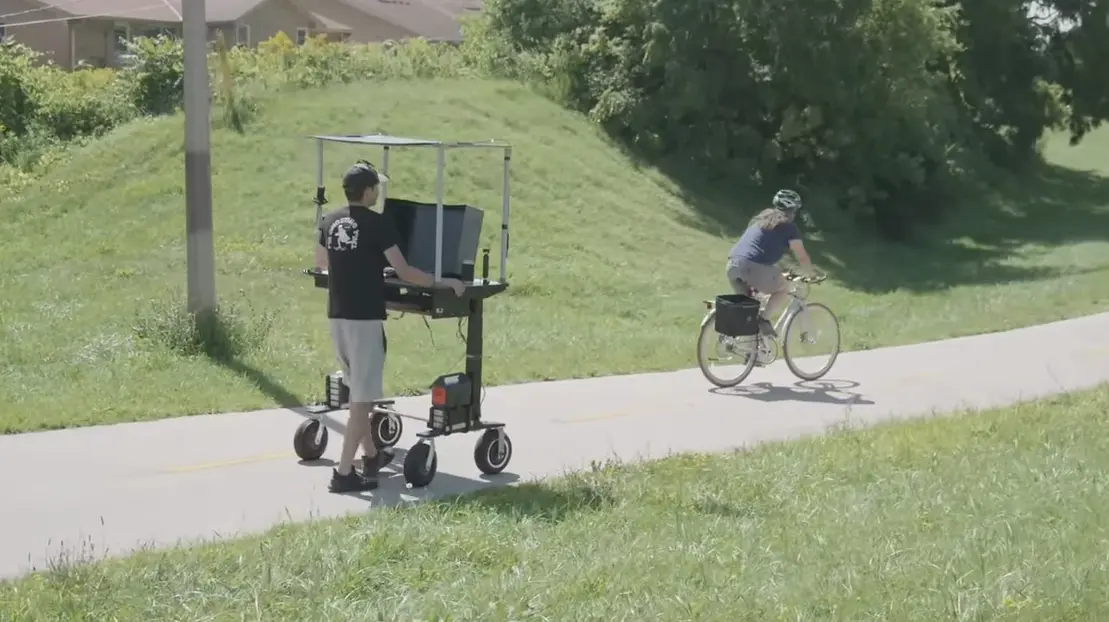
x,y
381,459
766,328
351,482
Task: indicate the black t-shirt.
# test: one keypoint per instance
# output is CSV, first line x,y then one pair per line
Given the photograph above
x,y
356,239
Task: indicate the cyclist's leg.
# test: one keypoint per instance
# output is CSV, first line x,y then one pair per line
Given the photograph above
x,y
739,286
734,274
769,281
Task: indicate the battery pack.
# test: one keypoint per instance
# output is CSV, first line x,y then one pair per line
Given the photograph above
x,y
451,398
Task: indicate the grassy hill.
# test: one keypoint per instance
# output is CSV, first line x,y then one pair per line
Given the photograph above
x,y
609,259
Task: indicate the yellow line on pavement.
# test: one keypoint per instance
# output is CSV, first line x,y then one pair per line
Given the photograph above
x,y
594,418
236,462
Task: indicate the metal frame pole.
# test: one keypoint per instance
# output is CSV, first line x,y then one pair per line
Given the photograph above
x,y
198,160
384,171
319,182
442,164
504,215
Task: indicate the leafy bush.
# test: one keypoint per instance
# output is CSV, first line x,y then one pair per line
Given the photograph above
x,y
832,93
886,102
155,78
18,98
42,106
82,103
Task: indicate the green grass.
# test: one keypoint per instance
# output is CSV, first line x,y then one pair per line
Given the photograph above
x,y
609,259
990,516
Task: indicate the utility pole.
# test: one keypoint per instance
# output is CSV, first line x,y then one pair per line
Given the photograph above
x,y
198,160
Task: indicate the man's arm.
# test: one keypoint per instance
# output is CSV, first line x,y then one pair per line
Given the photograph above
x,y
321,249
406,272
410,274
389,240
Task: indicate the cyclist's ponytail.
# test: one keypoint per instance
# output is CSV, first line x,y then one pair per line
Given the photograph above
x,y
770,218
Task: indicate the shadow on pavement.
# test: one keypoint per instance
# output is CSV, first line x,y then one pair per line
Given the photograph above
x,y
818,391
491,493
392,490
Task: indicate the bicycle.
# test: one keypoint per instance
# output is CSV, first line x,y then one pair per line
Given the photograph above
x,y
740,319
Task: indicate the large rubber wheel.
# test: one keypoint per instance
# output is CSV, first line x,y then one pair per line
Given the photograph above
x,y
814,318
709,342
416,471
492,452
385,429
305,443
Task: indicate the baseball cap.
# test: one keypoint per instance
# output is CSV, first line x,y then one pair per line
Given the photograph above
x,y
361,176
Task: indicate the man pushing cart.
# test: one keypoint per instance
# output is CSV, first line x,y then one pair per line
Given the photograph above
x,y
413,258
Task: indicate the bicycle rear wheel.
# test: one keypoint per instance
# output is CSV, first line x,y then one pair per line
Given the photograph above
x,y
736,355
811,335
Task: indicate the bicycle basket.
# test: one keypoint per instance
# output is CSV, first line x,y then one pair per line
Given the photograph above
x,y
737,315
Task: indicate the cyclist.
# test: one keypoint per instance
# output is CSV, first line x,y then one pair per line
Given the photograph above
x,y
752,261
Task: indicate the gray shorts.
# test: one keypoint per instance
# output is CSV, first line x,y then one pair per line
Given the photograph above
x,y
765,279
360,350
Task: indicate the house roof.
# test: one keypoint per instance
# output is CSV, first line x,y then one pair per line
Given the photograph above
x,y
156,10
423,18
459,8
434,19
329,23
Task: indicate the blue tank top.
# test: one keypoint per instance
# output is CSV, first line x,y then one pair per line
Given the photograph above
x,y
763,246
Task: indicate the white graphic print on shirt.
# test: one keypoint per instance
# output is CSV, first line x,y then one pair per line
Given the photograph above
x,y
342,235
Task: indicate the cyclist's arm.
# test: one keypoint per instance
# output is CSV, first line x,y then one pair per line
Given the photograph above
x,y
798,248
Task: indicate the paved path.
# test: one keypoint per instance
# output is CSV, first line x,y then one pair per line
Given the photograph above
x,y
157,483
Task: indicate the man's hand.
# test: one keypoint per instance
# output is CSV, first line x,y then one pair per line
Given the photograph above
x,y
458,286
405,272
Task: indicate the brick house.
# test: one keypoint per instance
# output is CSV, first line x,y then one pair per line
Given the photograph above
x,y
93,31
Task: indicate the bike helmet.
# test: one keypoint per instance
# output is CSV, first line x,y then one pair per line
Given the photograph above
x,y
787,201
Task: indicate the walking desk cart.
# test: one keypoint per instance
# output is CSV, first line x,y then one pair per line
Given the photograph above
x,y
446,248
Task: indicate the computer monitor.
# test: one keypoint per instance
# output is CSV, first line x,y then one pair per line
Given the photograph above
x,y
415,224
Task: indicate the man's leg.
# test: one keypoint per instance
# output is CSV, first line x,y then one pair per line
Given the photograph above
x,y
368,447
344,478
374,458
358,427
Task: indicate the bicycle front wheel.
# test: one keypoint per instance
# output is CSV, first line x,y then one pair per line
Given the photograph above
x,y
810,342
724,361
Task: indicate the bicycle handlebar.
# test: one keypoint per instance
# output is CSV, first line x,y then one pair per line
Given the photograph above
x,y
793,276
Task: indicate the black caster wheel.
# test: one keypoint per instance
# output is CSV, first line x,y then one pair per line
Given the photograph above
x,y
386,429
416,469
311,440
492,452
